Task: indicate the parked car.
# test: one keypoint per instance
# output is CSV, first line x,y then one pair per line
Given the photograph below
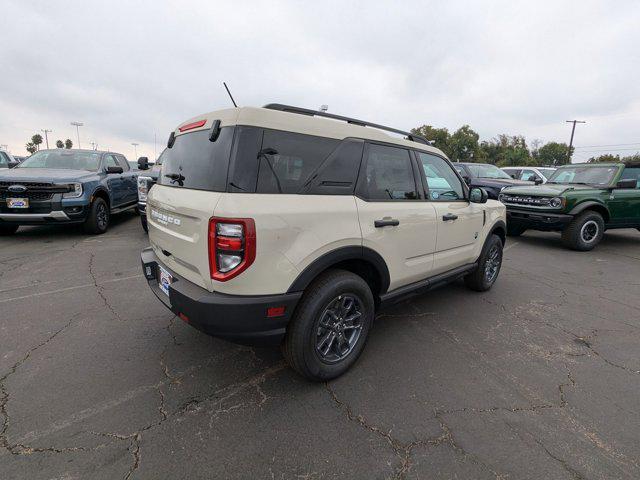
x,y
487,176
580,200
7,160
145,181
287,225
530,174
66,186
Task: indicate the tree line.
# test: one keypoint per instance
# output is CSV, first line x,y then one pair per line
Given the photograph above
x,y
464,145
36,140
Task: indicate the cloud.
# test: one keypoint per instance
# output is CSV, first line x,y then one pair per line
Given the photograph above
x,y
132,71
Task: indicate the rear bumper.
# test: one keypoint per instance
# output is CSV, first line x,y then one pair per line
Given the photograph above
x,y
241,319
535,220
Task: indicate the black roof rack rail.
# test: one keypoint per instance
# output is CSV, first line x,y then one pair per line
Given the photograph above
x,y
315,113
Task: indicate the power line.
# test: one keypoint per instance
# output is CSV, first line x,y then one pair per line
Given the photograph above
x,y
610,145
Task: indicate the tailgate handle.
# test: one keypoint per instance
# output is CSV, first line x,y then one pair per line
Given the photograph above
x,y
166,253
386,222
449,216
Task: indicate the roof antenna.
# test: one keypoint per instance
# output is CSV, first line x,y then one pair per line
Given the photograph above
x,y
230,96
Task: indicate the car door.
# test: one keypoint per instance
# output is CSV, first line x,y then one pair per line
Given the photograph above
x,y
129,181
394,217
114,180
624,203
459,221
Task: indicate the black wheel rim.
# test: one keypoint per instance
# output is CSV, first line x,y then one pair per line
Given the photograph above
x,y
589,231
339,328
102,216
492,264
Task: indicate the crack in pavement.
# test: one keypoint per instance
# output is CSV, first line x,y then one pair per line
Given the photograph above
x,y
99,289
17,448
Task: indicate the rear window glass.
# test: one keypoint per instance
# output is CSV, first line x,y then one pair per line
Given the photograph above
x,y
197,163
293,158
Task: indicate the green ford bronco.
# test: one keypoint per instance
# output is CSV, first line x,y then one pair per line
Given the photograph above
x,y
579,200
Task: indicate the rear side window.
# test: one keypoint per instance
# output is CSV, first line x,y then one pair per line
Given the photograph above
x,y
631,173
387,175
197,163
287,160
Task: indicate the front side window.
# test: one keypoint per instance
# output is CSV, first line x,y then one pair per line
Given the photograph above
x,y
4,160
123,163
444,185
584,175
631,173
110,161
528,175
287,160
388,174
63,159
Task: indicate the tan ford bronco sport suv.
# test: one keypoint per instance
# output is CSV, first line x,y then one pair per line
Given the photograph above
x,y
286,225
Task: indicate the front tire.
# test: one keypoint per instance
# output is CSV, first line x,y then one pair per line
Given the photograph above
x,y
330,327
8,229
584,232
489,264
97,222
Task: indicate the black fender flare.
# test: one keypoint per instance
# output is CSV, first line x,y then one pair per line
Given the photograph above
x,y
100,190
338,255
581,207
497,226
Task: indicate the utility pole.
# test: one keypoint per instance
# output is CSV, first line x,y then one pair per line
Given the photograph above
x,y
135,149
573,130
94,145
78,125
46,137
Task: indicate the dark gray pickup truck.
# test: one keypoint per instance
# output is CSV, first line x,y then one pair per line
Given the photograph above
x,y
66,186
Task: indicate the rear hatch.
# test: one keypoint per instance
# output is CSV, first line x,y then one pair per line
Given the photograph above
x,y
192,179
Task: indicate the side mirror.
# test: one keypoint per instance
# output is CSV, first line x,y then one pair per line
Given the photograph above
x,y
537,180
114,170
478,195
143,163
627,183
467,180
514,176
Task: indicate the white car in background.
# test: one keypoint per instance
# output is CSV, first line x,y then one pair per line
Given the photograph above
x,y
531,174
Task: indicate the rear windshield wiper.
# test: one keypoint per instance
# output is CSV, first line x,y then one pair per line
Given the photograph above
x,y
176,177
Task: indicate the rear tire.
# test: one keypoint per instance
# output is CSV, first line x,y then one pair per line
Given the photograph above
x,y
97,222
8,229
335,314
515,230
584,232
489,264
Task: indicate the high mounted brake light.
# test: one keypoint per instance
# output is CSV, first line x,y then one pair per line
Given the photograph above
x,y
232,246
192,125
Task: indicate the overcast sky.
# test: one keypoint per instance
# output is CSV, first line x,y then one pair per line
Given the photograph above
x,y
133,70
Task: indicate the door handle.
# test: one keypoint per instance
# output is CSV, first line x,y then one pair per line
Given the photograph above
x,y
449,216
386,222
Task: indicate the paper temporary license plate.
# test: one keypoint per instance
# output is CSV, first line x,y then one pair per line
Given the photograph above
x,y
18,202
165,280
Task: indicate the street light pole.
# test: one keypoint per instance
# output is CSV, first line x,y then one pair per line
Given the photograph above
x,y
46,137
135,149
78,125
573,130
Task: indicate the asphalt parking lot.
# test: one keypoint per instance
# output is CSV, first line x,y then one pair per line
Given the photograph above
x,y
538,378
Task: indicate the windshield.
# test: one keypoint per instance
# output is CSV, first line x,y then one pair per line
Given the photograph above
x,y
584,175
63,159
487,171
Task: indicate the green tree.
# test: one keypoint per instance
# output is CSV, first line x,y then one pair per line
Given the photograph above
x,y
440,137
59,144
506,150
606,158
632,158
37,140
68,143
552,153
31,148
463,145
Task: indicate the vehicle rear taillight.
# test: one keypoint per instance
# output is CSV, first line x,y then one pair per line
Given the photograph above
x,y
232,246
